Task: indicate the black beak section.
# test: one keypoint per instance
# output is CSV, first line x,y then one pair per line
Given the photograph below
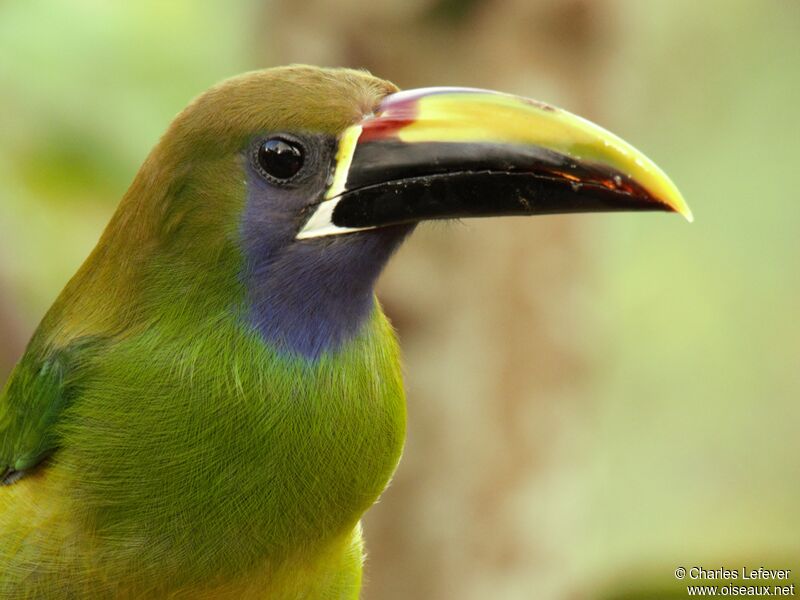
x,y
453,153
396,183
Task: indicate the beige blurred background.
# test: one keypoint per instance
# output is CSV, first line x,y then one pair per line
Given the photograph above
x,y
594,400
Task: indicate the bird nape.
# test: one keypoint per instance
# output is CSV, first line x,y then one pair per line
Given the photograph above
x,y
215,398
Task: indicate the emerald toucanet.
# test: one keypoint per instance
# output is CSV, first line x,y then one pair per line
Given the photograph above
x,y
215,398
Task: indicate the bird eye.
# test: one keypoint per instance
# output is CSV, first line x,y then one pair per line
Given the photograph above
x,y
280,159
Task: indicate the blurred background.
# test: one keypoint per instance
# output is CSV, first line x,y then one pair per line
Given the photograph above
x,y
594,400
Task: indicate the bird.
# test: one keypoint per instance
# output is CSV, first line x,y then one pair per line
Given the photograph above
x,y
215,398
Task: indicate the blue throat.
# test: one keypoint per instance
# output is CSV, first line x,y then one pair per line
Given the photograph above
x,y
309,297
313,297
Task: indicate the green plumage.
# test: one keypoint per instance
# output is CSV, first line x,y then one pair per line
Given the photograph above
x,y
187,457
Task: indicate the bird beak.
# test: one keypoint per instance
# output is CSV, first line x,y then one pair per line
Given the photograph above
x,y
443,153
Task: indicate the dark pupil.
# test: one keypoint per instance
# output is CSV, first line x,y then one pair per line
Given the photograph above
x,y
280,159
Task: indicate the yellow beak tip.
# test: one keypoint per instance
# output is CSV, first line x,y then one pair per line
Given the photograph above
x,y
682,208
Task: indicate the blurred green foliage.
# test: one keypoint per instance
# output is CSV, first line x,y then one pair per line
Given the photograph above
x,y
703,374
86,88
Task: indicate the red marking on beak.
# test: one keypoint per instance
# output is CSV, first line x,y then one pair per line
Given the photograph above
x,y
394,113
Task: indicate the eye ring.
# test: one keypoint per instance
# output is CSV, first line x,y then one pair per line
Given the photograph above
x,y
279,159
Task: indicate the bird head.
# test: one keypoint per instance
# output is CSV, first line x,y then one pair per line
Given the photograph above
x,y
302,181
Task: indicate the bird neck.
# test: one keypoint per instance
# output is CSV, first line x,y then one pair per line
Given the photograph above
x,y
311,298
